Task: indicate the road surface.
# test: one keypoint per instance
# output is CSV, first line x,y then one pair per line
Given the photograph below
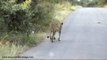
x,y
84,36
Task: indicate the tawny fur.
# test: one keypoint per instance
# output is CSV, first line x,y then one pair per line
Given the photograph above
x,y
55,26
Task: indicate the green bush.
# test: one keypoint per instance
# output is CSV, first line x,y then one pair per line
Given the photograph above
x,y
18,18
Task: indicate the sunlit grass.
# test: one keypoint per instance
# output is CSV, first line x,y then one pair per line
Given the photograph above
x,y
105,6
26,4
60,15
62,10
13,50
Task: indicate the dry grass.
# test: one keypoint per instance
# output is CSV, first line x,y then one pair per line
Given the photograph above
x,y
13,50
61,10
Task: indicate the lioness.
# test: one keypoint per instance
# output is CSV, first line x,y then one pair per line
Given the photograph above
x,y
55,26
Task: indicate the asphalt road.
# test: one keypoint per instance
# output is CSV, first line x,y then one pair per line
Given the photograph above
x,y
84,36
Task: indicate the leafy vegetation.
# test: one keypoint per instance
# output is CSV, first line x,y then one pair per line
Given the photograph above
x,y
24,23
